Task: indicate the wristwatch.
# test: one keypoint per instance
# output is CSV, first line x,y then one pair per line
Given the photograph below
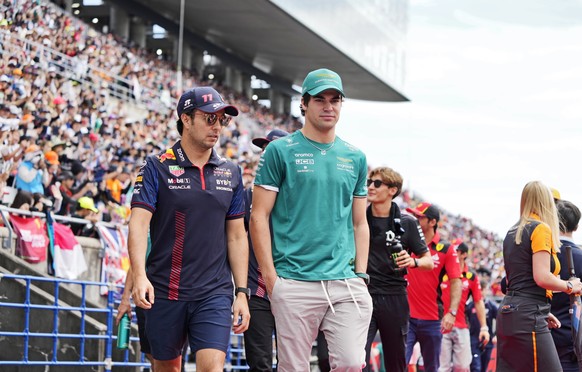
x,y
244,290
453,313
364,276
570,287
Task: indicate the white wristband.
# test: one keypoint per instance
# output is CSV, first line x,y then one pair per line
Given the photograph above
x,y
485,328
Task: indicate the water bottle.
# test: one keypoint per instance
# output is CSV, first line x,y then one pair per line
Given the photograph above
x,y
395,249
123,331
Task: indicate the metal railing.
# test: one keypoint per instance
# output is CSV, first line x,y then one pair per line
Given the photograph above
x,y
95,341
49,310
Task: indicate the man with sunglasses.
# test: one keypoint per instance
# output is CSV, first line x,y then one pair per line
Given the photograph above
x,y
429,319
192,202
313,186
393,238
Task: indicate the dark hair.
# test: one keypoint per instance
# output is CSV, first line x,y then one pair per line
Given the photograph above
x,y
569,215
179,126
22,197
306,99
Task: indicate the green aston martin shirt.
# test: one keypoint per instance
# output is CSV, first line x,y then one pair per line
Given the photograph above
x,y
313,232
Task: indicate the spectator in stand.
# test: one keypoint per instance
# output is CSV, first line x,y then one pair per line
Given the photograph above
x,y
259,336
70,195
482,352
14,149
23,200
569,216
456,345
393,239
532,266
31,171
86,210
117,183
429,320
52,160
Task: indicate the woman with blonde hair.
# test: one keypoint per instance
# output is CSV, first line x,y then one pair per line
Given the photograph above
x,y
532,268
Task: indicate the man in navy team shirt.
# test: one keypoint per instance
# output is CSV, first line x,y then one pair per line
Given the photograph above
x,y
192,202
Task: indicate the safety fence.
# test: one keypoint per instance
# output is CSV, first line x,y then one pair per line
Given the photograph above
x,y
39,329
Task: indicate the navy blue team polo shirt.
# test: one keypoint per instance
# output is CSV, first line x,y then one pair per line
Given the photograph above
x,y
190,206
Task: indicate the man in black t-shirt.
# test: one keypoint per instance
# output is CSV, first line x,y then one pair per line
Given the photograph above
x,y
392,238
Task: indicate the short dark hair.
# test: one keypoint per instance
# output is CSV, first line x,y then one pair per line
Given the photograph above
x,y
180,124
569,215
306,99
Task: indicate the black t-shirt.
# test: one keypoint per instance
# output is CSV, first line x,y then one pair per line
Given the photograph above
x,y
381,268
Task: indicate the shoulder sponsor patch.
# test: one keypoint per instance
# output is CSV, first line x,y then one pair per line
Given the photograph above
x,y
169,154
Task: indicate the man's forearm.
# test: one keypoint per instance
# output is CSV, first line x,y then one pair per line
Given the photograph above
x,y
425,262
455,293
261,238
238,252
362,241
480,310
137,247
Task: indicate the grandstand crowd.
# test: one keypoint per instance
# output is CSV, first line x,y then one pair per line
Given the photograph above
x,y
65,137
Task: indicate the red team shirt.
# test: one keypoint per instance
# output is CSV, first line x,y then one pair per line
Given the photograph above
x,y
424,291
470,285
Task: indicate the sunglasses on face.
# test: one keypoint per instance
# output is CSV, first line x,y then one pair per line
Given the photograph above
x,y
377,183
211,119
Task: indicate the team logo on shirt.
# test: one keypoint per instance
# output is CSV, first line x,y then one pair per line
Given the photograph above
x,y
344,164
181,155
176,170
169,154
436,260
222,172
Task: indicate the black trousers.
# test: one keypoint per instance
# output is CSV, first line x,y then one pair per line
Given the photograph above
x,y
390,316
524,342
259,336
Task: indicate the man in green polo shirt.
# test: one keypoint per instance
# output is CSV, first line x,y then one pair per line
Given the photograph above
x,y
313,185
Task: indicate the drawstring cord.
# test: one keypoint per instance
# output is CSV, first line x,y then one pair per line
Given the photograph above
x,y
353,298
327,297
351,294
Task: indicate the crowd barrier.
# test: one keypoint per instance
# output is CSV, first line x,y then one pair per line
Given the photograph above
x,y
38,329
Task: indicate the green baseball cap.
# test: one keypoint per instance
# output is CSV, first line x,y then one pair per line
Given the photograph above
x,y
319,80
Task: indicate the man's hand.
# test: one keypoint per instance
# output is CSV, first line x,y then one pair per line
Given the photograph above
x,y
447,323
553,322
484,336
270,280
124,308
404,259
241,315
143,292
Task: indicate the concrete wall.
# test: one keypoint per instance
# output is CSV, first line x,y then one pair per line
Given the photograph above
x,y
12,319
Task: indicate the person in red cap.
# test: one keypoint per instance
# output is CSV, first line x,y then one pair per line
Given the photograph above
x,y
191,201
428,317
